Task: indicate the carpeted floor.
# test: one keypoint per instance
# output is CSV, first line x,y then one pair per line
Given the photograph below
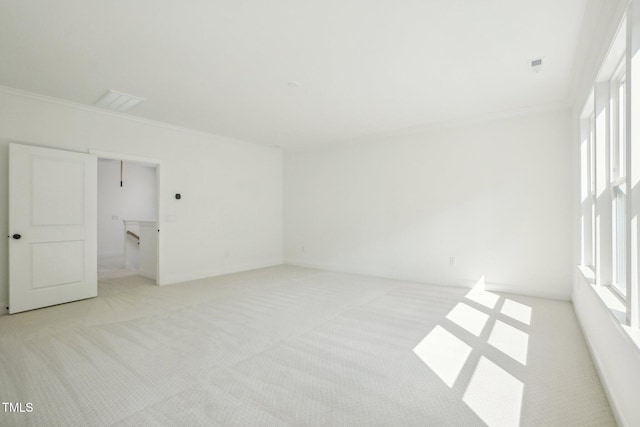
x,y
294,346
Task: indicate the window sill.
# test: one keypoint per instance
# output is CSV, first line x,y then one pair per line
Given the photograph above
x,y
612,303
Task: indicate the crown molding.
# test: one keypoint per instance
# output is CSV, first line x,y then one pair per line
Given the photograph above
x,y
437,126
374,137
595,38
123,116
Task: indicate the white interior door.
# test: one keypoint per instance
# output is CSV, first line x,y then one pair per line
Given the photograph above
x,y
52,226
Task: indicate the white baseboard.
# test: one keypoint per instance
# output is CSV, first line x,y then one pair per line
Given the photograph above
x,y
467,284
147,274
169,279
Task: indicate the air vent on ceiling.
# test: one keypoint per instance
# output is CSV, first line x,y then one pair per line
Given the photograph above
x,y
118,101
536,65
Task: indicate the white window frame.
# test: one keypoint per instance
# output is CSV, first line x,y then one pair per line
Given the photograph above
x,y
591,189
619,141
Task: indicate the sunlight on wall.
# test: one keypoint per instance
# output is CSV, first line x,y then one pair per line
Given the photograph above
x,y
509,340
517,311
494,395
444,353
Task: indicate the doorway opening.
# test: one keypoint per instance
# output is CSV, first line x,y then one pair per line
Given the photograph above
x,y
127,217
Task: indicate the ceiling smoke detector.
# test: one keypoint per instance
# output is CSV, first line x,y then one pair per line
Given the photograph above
x,y
536,65
118,101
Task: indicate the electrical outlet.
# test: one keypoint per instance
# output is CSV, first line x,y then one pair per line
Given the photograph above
x,y
114,217
452,260
302,249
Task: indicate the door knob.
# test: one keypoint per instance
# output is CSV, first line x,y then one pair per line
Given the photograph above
x,y
16,236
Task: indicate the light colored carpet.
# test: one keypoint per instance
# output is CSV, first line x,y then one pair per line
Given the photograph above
x,y
293,346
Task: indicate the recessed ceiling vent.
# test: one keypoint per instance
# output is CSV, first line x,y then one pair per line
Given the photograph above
x,y
536,65
118,101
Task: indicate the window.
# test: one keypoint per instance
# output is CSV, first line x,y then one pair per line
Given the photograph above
x,y
592,188
609,182
588,173
619,241
618,179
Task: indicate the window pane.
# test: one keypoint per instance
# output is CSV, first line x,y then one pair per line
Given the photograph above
x,y
621,128
619,224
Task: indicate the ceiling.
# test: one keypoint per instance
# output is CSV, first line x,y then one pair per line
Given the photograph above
x,y
295,73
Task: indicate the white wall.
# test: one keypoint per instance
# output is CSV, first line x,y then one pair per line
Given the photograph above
x,y
496,196
231,190
135,200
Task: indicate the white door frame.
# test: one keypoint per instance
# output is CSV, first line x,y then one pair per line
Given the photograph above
x,y
158,165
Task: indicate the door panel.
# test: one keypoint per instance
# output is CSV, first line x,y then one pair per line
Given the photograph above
x,y
58,192
57,263
52,205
